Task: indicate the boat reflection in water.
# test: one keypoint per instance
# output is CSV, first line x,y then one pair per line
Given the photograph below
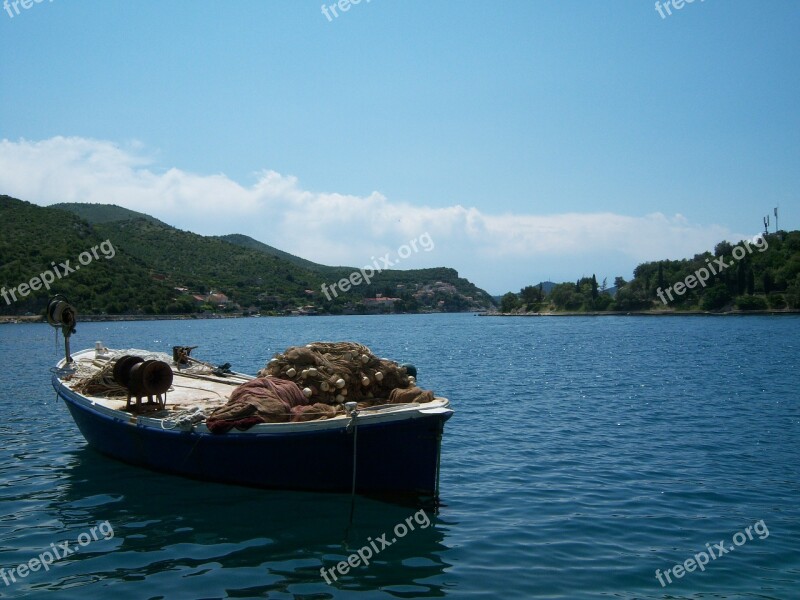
x,y
200,539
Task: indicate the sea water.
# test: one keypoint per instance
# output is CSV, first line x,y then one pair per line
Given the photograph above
x,y
589,457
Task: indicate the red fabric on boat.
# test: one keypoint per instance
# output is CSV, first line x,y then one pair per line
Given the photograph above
x,y
261,400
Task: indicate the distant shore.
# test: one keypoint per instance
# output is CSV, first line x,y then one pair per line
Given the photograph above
x,y
110,318
646,313
8,320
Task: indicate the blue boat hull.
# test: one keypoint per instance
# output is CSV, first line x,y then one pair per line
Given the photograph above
x,y
396,457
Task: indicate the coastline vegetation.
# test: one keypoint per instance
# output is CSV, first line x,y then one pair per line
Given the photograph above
x,y
160,270
768,280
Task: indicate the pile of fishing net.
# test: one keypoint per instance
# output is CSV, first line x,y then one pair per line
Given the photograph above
x,y
265,400
338,372
306,383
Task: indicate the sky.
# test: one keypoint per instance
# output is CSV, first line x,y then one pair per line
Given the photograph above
x,y
531,140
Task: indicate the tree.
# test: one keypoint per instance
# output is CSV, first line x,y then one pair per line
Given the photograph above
x,y
723,249
716,297
768,282
777,301
741,278
751,303
793,293
532,297
632,297
564,296
509,302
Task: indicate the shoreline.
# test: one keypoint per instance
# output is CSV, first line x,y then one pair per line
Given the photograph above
x,y
16,320
12,320
649,313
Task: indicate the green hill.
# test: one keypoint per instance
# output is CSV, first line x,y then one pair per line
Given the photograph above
x,y
416,289
158,269
34,240
758,274
208,264
247,242
104,213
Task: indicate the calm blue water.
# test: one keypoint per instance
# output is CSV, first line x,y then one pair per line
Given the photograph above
x,y
585,453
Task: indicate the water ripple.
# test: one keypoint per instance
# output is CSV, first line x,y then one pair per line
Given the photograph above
x,y
585,454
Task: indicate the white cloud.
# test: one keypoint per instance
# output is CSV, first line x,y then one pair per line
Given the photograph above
x,y
497,251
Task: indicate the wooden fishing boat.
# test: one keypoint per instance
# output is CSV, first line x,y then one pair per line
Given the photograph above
x,y
382,448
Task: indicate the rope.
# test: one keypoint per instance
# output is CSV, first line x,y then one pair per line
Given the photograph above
x,y
185,420
199,437
191,387
355,451
438,462
205,377
353,426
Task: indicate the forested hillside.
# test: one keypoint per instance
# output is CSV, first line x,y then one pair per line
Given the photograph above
x,y
758,274
158,269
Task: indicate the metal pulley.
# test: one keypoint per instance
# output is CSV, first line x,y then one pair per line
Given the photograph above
x,y
61,314
142,378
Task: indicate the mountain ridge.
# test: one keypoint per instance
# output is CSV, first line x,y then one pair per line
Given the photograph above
x,y
183,272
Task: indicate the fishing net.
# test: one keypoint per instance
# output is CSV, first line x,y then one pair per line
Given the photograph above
x,y
337,372
266,400
261,400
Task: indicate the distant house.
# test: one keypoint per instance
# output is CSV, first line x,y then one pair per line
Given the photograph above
x,y
218,299
440,286
380,301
